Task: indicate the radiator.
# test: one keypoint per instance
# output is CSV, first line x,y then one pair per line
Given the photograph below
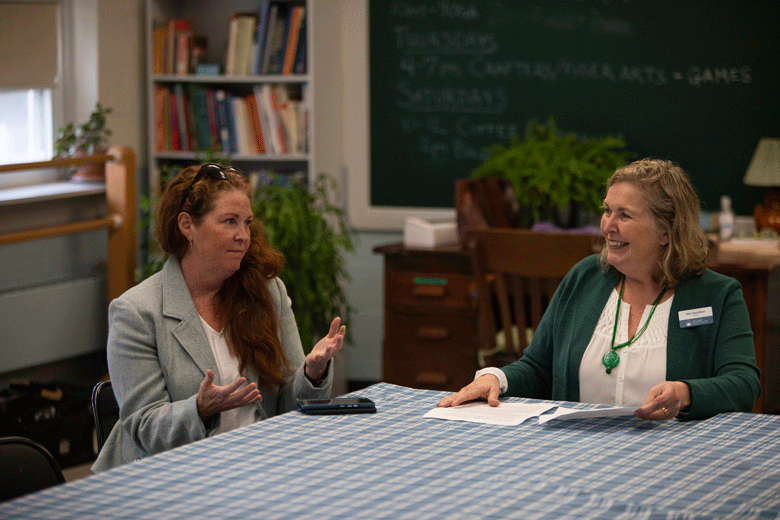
x,y
52,322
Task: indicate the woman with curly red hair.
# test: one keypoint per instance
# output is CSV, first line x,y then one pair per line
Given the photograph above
x,y
209,343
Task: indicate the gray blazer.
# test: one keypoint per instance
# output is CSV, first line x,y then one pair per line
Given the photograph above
x,y
158,354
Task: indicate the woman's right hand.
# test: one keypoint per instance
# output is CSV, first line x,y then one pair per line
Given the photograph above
x,y
213,399
484,387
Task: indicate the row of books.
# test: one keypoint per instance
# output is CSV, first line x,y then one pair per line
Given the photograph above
x,y
269,41
176,49
271,120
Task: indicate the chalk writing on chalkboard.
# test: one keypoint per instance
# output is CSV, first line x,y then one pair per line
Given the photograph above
x,y
449,79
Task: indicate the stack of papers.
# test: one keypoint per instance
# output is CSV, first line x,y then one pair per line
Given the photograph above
x,y
512,414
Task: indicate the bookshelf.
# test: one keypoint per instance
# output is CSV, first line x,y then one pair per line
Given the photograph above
x,y
185,104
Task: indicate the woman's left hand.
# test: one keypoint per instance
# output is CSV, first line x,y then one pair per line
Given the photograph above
x,y
665,400
324,350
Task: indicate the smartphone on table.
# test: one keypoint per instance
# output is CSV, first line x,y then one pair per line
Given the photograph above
x,y
337,405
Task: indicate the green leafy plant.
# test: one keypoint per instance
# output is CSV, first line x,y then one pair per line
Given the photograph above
x,y
88,137
93,134
65,144
553,173
313,234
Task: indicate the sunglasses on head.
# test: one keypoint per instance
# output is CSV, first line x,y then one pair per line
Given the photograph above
x,y
215,171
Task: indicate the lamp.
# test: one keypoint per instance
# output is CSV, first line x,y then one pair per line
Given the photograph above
x,y
764,170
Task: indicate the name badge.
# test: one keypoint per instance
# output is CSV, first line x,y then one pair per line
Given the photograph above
x,y
695,317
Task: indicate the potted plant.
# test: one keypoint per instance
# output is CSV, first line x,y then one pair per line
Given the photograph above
x,y
90,138
313,234
555,177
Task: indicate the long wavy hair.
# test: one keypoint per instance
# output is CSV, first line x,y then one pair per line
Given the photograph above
x,y
672,201
244,304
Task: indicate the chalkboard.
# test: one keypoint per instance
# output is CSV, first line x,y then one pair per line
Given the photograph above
x,y
693,81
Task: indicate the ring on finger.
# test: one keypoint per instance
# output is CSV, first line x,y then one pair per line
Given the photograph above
x,y
666,413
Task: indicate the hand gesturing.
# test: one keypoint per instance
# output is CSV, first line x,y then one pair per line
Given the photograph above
x,y
324,350
213,399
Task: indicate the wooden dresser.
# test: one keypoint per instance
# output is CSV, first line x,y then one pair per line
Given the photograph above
x,y
430,317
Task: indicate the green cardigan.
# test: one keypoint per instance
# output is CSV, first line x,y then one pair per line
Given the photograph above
x,y
717,360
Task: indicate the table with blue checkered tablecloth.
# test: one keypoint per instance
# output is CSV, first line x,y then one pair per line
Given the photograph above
x,y
396,464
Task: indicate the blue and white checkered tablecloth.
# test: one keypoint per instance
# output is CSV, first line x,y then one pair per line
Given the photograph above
x,y
395,464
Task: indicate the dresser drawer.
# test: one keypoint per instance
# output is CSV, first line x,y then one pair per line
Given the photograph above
x,y
425,351
425,291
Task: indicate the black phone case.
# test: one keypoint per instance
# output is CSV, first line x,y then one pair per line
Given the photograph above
x,y
334,409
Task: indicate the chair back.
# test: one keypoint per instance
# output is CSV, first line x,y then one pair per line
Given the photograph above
x,y
26,466
105,410
516,273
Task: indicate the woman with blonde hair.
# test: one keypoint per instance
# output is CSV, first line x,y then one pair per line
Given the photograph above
x,y
643,324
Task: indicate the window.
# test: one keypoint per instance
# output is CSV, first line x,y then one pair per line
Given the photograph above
x,y
26,128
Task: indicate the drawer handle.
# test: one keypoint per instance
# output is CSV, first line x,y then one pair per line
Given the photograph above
x,y
432,378
429,287
433,333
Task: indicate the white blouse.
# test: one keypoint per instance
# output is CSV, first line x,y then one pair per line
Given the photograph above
x,y
227,365
642,364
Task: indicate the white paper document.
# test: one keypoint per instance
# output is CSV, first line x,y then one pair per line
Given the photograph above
x,y
505,414
572,413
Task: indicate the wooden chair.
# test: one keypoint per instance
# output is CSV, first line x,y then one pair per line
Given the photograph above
x,y
105,411
516,273
26,466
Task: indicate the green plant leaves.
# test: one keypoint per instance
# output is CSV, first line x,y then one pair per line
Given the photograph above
x,y
313,234
549,170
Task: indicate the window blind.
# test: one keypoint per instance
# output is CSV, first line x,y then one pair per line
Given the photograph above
x,y
28,44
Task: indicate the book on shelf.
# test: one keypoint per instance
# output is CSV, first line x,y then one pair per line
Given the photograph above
x,y
241,34
277,111
245,43
276,39
273,14
260,35
269,120
174,119
299,65
293,34
288,118
159,118
181,112
265,125
198,97
253,111
159,35
231,117
242,126
277,63
213,118
224,126
230,53
183,43
173,27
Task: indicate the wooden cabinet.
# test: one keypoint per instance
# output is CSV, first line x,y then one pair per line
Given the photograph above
x,y
212,20
430,318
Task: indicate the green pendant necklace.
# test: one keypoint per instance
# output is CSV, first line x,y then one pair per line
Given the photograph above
x,y
611,358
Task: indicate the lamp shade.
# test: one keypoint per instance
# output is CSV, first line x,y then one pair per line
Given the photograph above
x,y
764,169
